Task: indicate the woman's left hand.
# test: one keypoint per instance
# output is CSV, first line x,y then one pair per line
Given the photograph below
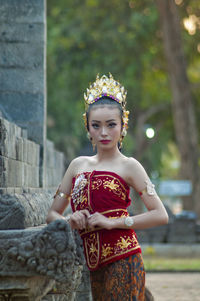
x,y
99,220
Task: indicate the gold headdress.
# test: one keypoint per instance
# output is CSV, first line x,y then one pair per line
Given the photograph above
x,y
107,86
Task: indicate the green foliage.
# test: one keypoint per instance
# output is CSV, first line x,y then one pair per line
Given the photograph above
x,y
86,37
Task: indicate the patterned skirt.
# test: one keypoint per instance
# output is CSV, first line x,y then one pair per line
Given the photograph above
x,y
122,280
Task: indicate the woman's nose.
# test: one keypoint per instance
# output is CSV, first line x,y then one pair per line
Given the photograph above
x,y
103,131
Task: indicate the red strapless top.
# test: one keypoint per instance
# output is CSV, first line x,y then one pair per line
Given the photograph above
x,y
107,193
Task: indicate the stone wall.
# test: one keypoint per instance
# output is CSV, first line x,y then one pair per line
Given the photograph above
x,y
179,230
23,69
40,262
23,203
37,261
23,64
55,165
20,161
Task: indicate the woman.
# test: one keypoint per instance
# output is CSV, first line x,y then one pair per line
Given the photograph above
x,y
98,188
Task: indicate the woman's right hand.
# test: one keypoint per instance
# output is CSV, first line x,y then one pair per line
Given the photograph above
x,y
78,219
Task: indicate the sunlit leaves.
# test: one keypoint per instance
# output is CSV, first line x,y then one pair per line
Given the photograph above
x,y
86,37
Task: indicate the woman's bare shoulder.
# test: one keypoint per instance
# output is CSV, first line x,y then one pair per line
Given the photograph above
x,y
132,162
79,163
135,172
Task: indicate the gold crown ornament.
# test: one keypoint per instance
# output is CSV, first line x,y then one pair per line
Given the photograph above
x,y
109,87
105,86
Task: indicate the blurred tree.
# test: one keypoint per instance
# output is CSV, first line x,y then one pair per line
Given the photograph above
x,y
86,37
121,37
182,101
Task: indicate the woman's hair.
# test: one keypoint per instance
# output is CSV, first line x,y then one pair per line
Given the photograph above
x,y
105,100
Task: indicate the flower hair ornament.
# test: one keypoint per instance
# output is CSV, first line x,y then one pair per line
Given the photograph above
x,y
109,87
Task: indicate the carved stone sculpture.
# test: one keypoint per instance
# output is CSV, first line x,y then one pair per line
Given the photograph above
x,y
51,253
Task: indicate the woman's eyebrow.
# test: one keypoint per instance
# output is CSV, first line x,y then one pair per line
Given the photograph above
x,y
106,120
110,120
96,121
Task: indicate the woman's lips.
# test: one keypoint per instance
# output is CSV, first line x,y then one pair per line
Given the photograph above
x,y
105,141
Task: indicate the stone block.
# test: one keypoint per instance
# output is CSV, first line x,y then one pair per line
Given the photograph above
x,y
19,211
142,236
36,130
49,145
24,134
20,55
50,162
19,149
34,177
25,150
2,172
84,296
24,288
22,33
51,251
8,132
153,235
27,175
28,151
83,292
37,154
12,172
26,11
11,142
182,231
4,128
18,131
31,152
22,80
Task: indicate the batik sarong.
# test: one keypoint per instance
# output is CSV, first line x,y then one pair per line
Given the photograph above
x,y
122,280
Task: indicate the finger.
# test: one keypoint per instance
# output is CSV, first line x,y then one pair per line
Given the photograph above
x,y
92,222
78,219
91,215
86,213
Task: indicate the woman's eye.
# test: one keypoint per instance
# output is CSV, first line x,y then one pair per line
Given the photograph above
x,y
112,124
95,125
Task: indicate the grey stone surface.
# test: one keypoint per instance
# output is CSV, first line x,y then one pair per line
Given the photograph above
x,y
26,110
21,106
182,231
19,211
155,234
37,260
83,292
54,158
24,288
22,80
21,33
52,251
22,67
26,11
47,251
10,55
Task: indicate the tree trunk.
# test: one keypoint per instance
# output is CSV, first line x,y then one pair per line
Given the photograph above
x,y
182,102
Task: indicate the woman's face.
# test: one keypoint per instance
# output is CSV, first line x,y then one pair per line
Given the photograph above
x,y
105,125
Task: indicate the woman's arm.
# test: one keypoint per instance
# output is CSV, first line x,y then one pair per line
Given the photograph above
x,y
61,198
156,214
78,220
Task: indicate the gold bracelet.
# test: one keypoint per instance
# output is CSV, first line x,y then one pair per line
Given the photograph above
x,y
60,193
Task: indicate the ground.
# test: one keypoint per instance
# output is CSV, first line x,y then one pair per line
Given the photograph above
x,y
174,286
